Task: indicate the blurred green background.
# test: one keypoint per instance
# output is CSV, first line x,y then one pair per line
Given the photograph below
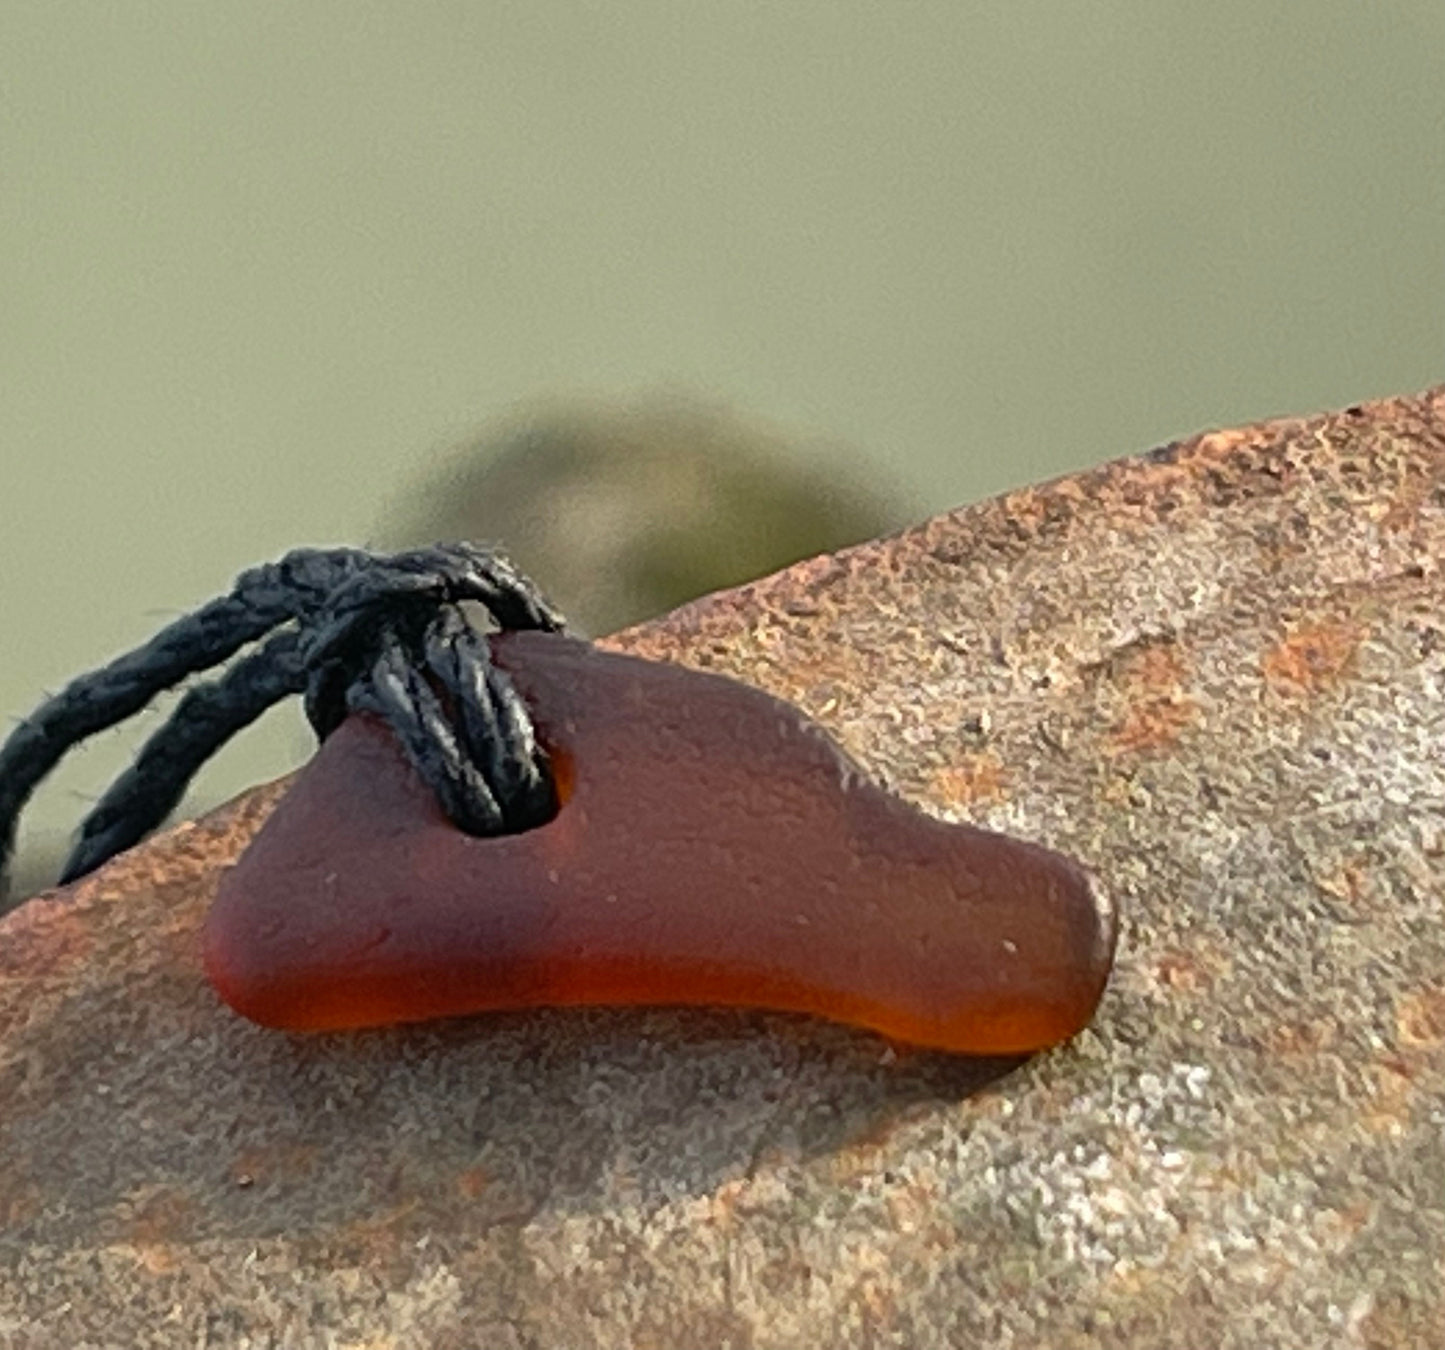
x,y
662,293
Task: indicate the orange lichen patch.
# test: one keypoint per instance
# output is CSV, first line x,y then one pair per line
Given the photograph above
x,y
383,1241
725,1201
158,1218
1402,1319
1155,724
20,1199
1045,511
155,1258
473,1182
1222,444
1402,513
1313,657
1348,881
1350,876
875,1299
1301,1038
978,778
1392,1085
1420,1019
1182,972
1117,790
912,1207
1158,666
717,849
1333,1229
1159,708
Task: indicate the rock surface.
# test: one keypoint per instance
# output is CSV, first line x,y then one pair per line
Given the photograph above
x,y
1216,673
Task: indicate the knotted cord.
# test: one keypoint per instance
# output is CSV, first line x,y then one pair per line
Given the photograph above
x,y
351,630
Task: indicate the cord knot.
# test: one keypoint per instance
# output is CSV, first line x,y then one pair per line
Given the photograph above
x,y
354,632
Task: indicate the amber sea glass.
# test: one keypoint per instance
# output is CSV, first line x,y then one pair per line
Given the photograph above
x,y
713,846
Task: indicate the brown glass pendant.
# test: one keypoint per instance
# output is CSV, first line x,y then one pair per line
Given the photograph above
x,y
713,846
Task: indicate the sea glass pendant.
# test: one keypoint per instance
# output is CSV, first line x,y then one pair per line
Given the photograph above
x,y
713,846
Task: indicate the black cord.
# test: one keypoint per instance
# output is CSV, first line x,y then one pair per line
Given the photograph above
x,y
356,632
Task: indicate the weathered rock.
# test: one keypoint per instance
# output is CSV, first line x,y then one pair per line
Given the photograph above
x,y
1216,673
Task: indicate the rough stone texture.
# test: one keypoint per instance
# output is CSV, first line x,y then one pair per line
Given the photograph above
x,y
1214,672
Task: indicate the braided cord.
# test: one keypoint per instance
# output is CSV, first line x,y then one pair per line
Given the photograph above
x,y
205,719
355,632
